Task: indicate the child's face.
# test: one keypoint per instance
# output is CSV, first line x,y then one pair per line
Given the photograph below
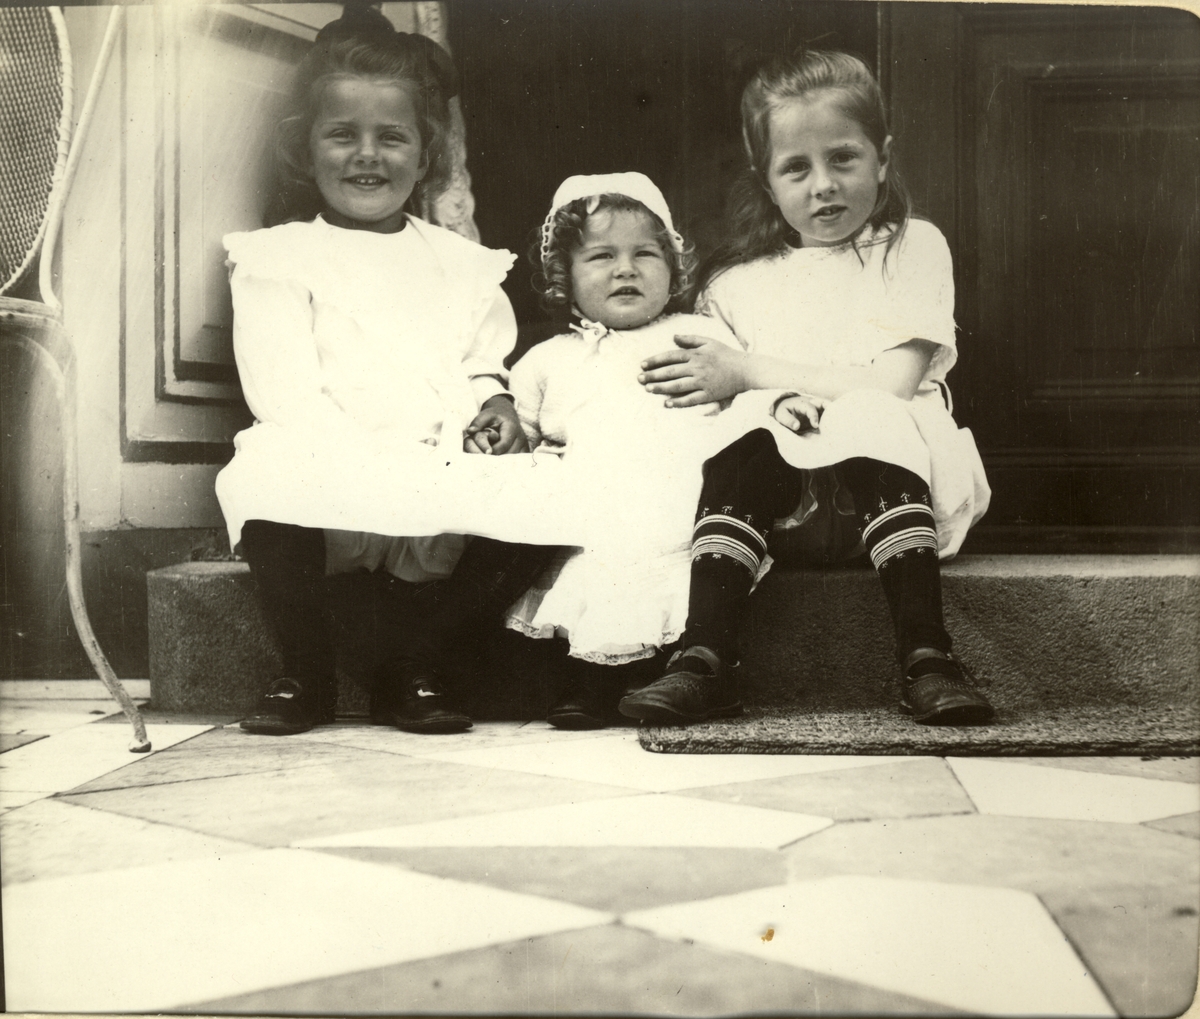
x,y
620,276
366,153
824,172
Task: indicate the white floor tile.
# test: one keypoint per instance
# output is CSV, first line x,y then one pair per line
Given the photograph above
x,y
69,689
158,938
70,758
51,716
618,759
1025,790
10,799
985,950
645,820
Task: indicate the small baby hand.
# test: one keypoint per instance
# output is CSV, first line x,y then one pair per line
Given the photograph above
x,y
799,413
496,429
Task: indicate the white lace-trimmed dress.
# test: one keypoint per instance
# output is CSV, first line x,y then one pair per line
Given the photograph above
x,y
359,353
840,307
638,465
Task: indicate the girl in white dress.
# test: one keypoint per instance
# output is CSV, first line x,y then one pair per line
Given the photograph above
x,y
845,306
370,347
611,256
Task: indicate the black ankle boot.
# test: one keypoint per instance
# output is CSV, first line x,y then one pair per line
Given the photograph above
x,y
578,707
416,702
589,695
290,706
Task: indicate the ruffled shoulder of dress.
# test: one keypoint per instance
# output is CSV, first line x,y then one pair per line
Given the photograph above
x,y
488,265
276,252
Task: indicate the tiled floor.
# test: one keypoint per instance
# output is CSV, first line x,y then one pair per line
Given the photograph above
x,y
521,870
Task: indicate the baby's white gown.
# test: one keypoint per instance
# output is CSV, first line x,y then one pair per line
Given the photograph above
x,y
626,593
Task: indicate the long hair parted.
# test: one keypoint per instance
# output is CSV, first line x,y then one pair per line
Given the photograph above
x,y
553,278
360,44
756,226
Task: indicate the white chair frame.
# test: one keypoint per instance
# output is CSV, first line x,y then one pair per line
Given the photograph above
x,y
46,315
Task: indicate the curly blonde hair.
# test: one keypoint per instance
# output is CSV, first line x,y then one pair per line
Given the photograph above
x,y
553,280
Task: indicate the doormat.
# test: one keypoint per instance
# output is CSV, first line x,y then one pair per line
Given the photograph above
x,y
1120,730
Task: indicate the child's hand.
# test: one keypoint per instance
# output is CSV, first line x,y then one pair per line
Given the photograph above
x,y
700,371
799,413
495,430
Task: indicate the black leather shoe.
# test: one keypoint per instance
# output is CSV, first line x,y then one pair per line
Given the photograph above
x,y
577,708
287,708
696,686
420,705
939,693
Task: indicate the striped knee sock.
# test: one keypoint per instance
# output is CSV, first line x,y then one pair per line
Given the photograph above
x,y
904,529
898,529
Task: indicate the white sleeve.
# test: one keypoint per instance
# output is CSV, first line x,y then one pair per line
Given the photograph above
x,y
277,356
528,387
712,327
715,304
919,298
491,344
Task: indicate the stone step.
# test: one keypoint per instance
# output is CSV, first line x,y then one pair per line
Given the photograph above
x,y
1037,631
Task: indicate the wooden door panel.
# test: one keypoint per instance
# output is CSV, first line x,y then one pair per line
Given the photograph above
x,y
1075,224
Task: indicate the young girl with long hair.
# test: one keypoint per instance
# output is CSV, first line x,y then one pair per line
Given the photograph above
x,y
845,306
370,347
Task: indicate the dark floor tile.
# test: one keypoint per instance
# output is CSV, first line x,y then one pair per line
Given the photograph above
x,y
1181,824
220,753
1139,942
361,790
613,879
42,840
10,741
1169,769
152,715
609,970
918,788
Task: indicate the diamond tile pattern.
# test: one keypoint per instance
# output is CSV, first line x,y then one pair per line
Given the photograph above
x,y
1003,787
516,869
995,951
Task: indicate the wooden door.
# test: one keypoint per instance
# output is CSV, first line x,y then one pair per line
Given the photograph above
x,y
1058,147
558,87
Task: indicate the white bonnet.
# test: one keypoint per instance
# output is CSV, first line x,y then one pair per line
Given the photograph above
x,y
632,184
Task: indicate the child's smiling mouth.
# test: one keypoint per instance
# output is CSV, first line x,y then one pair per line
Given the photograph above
x,y
365,180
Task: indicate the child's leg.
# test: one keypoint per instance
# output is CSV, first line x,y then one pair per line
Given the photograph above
x,y
747,486
590,691
896,523
489,577
580,703
896,519
288,564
